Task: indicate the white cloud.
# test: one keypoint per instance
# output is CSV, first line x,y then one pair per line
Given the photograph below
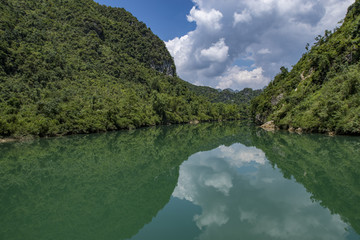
x,y
208,19
180,49
264,51
235,77
218,52
243,17
273,32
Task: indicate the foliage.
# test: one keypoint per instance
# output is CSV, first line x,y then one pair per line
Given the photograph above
x,y
71,66
322,91
228,96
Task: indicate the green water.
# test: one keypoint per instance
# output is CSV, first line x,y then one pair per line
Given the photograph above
x,y
208,181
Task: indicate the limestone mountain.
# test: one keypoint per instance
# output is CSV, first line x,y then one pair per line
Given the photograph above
x,y
322,91
74,66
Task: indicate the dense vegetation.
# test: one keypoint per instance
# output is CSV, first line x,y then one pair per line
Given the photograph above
x,y
74,66
228,96
322,91
242,97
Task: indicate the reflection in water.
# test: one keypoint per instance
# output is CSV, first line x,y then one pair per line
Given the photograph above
x,y
237,182
243,196
328,167
101,186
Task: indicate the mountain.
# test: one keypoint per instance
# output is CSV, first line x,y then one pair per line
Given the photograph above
x,y
322,91
74,66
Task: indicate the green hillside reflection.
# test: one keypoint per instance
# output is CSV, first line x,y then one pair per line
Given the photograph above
x,y
109,186
102,186
328,167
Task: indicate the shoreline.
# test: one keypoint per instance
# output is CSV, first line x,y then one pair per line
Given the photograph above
x,y
272,127
34,137
269,126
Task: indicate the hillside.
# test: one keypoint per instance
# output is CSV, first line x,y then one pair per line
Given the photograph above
x,y
74,66
322,91
227,95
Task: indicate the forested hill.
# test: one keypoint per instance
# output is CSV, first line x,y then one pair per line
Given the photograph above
x,y
74,66
227,95
322,91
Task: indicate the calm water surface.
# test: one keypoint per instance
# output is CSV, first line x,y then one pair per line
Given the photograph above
x,y
209,181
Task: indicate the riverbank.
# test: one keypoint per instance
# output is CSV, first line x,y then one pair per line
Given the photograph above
x,y
271,126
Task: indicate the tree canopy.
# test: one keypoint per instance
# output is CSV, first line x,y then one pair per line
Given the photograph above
x,y
74,66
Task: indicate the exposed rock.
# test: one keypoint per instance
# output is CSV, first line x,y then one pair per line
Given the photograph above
x,y
299,130
166,67
291,129
269,126
194,122
276,100
331,134
309,74
5,140
260,118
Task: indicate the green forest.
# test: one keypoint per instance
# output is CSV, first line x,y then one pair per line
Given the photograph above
x,y
74,66
69,67
322,91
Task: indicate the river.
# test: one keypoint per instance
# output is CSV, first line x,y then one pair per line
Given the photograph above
x,y
207,181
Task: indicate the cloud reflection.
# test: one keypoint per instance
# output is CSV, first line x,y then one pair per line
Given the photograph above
x,y
243,196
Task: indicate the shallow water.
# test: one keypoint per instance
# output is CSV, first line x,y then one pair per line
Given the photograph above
x,y
209,181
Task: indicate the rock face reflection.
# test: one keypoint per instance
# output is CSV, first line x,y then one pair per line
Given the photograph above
x,y
241,195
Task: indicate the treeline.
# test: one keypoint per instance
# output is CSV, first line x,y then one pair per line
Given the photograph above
x,y
71,66
322,91
228,96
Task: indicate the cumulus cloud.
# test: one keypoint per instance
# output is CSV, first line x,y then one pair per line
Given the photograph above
x,y
235,77
271,33
208,19
218,52
242,17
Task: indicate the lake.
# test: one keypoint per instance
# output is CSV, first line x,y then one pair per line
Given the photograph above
x,y
207,181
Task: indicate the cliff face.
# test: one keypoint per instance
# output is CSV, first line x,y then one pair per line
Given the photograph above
x,y
322,91
74,66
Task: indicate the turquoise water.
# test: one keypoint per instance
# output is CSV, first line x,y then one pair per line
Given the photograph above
x,y
208,181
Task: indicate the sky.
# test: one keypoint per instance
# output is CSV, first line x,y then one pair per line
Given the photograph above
x,y
235,43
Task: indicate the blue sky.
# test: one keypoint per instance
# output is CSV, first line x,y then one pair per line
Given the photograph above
x,y
235,43
166,18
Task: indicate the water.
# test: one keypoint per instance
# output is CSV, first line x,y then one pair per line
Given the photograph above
x,y
209,181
